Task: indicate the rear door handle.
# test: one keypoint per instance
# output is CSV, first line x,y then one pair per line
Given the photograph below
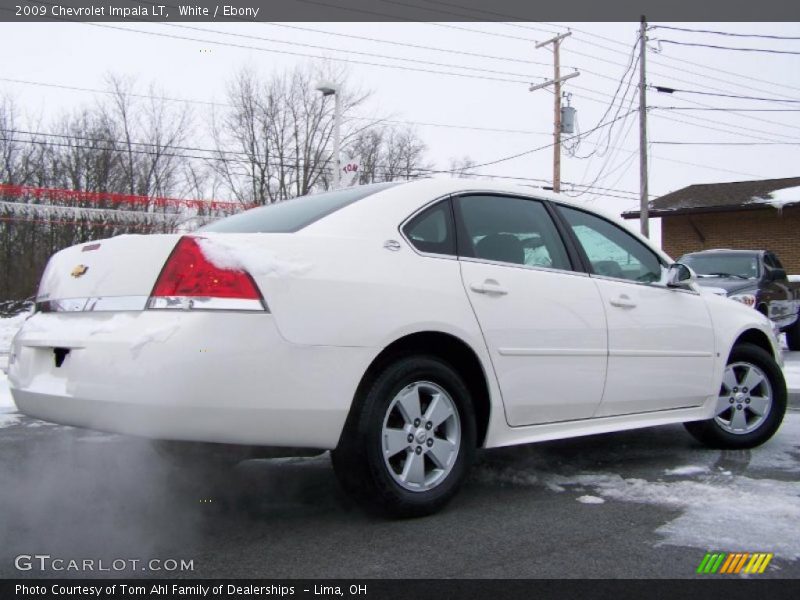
x,y
622,301
490,287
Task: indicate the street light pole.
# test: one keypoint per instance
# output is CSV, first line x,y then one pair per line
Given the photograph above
x,y
337,139
331,89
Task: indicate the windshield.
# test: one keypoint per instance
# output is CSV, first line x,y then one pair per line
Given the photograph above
x,y
292,215
741,266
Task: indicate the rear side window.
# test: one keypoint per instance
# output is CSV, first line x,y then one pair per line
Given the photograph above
x,y
292,215
432,230
511,230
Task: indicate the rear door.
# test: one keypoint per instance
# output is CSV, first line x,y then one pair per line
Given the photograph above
x,y
660,339
543,321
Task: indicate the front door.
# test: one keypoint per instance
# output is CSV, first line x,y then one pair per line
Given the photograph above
x,y
660,339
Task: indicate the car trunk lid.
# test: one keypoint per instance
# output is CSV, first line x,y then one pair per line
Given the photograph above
x,y
111,274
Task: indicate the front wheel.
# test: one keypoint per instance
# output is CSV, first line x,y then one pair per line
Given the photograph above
x,y
750,405
409,443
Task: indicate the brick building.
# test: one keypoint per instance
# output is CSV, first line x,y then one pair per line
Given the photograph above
x,y
748,215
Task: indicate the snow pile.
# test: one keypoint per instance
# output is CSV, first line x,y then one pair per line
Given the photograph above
x,y
247,254
6,402
590,500
687,470
780,198
9,328
791,371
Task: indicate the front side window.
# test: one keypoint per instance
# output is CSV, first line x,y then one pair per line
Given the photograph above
x,y
510,230
432,230
612,251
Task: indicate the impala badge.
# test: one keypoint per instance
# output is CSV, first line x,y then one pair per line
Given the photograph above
x,y
79,271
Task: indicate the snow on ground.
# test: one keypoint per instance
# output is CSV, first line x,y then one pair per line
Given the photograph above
x,y
791,370
7,406
590,500
750,502
687,470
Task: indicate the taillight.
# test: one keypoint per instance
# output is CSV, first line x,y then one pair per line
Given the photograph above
x,y
190,281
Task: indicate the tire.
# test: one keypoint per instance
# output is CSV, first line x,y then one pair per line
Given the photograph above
x,y
793,336
738,425
414,389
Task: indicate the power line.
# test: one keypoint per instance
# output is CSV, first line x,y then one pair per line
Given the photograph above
x,y
494,34
715,70
732,109
726,33
344,60
629,74
670,90
699,165
738,132
292,53
717,47
676,143
376,121
738,116
382,168
550,145
227,105
355,52
407,44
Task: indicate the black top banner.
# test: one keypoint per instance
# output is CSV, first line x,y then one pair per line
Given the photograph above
x,y
397,10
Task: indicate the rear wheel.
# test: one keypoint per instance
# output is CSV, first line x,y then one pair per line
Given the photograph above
x,y
410,439
750,405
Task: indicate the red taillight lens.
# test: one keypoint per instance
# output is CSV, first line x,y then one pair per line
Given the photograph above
x,y
189,274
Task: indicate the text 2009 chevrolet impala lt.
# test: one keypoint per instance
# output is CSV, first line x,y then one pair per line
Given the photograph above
x,y
401,326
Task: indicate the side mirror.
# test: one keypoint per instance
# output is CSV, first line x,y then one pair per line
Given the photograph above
x,y
680,276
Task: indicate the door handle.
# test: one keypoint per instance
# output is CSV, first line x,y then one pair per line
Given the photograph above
x,y
622,301
490,286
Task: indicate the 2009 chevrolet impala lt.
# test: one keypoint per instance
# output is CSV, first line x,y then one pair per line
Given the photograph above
x,y
401,326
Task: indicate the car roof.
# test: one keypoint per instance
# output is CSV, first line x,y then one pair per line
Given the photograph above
x,y
386,209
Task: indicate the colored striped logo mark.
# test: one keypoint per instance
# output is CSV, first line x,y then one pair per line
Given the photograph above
x,y
732,563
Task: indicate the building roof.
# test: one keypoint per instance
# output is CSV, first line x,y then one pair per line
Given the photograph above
x,y
733,196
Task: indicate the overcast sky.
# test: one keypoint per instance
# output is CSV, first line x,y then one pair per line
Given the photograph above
x,y
80,55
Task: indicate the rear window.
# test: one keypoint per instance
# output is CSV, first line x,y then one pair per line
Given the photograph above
x,y
292,215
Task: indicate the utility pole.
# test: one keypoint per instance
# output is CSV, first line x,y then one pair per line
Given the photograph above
x,y
643,195
556,83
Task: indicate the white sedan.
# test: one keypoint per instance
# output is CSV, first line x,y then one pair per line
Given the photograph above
x,y
401,326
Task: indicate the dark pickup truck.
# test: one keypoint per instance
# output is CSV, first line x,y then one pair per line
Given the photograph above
x,y
756,278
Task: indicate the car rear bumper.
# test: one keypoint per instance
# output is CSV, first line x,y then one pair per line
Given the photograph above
x,y
201,376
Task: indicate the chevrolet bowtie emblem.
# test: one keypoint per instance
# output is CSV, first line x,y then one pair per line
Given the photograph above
x,y
79,271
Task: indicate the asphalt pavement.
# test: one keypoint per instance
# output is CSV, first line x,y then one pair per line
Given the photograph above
x,y
637,504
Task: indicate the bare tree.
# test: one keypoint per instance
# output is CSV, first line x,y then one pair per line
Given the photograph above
x,y
462,167
274,142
